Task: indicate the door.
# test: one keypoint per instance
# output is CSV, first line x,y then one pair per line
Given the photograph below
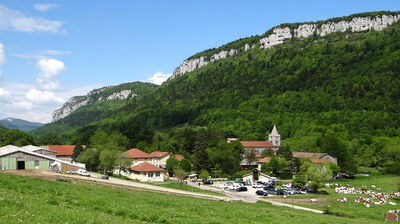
x,y
4,164
30,165
44,164
21,165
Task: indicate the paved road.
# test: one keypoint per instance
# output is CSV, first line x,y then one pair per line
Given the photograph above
x,y
250,197
149,187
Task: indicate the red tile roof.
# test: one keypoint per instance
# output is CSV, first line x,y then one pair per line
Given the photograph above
x,y
158,154
309,155
321,161
62,150
179,157
146,167
136,154
264,160
257,144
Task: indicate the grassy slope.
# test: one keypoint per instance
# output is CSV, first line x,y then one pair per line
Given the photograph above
x,y
30,200
388,184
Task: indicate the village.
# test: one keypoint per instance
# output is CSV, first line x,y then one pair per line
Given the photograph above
x,y
254,185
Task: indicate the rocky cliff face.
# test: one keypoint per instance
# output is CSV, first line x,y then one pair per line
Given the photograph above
x,y
281,34
77,102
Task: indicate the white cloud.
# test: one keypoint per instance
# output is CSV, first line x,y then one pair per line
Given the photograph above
x,y
55,52
15,20
43,97
50,67
41,54
21,105
159,77
44,7
3,92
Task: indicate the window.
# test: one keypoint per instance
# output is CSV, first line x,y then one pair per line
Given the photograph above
x,y
150,174
157,174
36,162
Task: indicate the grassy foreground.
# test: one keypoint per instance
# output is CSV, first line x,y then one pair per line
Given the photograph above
x,y
328,200
29,200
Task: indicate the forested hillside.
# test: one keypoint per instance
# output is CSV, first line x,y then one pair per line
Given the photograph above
x,y
337,93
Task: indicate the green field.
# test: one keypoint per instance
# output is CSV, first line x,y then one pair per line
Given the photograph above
x,y
328,199
28,200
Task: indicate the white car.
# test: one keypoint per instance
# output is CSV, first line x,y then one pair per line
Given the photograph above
x,y
227,185
256,185
83,173
234,187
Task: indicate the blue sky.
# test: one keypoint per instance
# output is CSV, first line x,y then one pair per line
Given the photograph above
x,y
58,49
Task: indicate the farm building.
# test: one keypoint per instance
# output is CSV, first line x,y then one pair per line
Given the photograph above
x,y
63,152
33,157
316,157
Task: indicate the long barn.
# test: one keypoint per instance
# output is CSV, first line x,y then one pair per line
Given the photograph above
x,y
33,157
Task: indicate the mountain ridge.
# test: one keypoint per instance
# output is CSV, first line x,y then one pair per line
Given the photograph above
x,y
20,124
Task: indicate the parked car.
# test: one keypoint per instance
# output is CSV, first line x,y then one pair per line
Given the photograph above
x,y
261,193
208,182
227,185
241,189
268,187
71,172
262,183
272,192
257,185
234,187
83,173
308,190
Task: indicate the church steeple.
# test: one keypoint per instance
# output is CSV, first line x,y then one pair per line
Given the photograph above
x,y
274,138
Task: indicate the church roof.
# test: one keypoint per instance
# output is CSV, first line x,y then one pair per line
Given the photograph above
x,y
274,131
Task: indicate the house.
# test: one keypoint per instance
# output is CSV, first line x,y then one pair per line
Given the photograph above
x,y
250,177
63,152
33,157
147,172
316,157
147,166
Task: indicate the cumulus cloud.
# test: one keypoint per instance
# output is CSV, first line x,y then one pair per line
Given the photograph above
x,y
50,67
43,97
159,77
15,20
44,7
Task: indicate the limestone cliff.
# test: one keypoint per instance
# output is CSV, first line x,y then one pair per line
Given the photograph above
x,y
283,33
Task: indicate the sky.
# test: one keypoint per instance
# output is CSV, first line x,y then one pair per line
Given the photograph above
x,y
52,50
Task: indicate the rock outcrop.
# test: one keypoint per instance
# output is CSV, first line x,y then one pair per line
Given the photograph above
x,y
281,34
77,102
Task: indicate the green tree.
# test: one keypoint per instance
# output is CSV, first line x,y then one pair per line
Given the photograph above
x,y
107,160
123,163
90,157
299,181
77,151
172,165
17,138
204,174
318,174
185,165
180,174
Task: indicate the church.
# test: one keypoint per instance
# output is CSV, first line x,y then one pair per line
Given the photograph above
x,y
258,147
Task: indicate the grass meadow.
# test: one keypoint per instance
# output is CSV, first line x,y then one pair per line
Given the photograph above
x,y
30,200
327,200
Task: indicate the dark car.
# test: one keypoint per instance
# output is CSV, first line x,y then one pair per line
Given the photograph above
x,y
241,189
268,187
272,192
208,182
261,193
